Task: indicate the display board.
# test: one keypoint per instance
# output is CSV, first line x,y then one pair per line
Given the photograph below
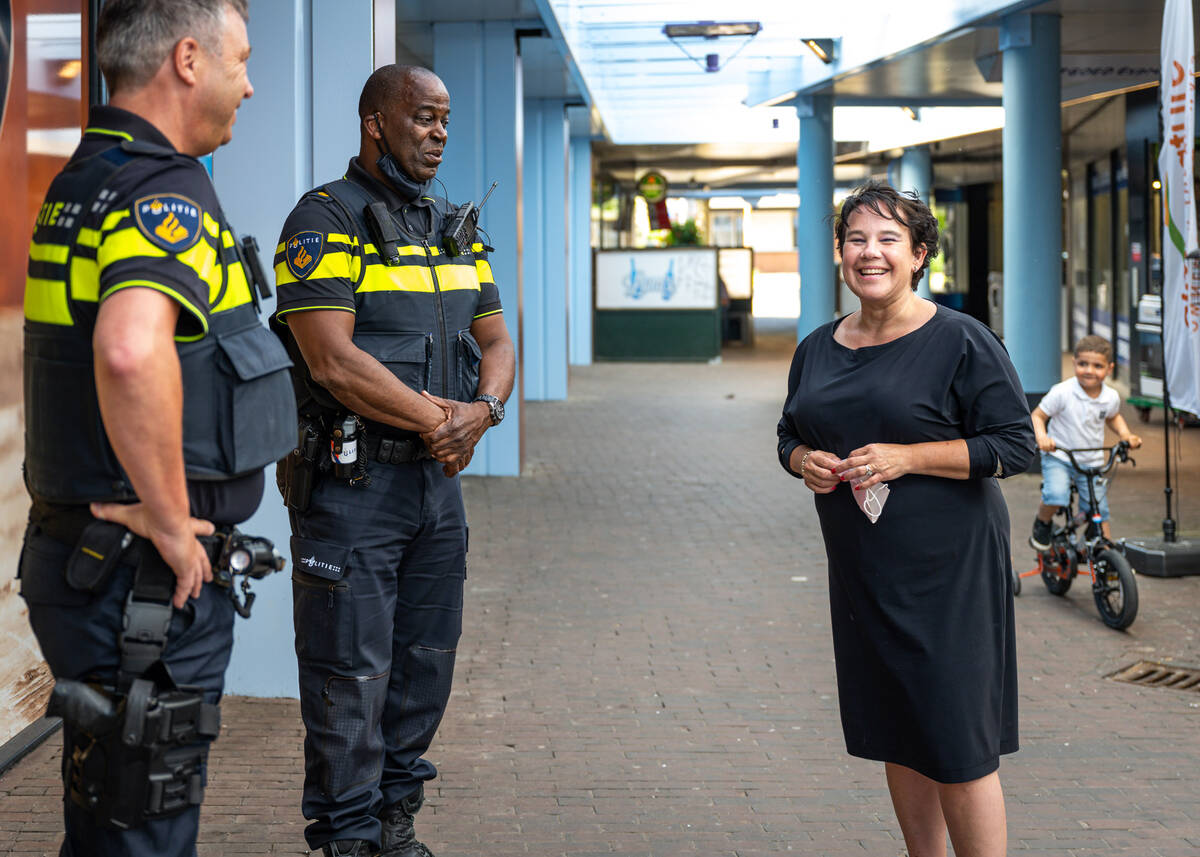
x,y
670,278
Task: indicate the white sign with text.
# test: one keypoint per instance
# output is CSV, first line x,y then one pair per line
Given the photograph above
x,y
670,278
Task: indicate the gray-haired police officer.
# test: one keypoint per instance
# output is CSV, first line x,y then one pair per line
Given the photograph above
x,y
154,396
382,309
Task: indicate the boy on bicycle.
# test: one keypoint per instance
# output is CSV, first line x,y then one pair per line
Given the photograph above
x,y
1078,410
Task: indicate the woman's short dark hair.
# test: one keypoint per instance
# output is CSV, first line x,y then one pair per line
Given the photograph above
x,y
133,37
904,208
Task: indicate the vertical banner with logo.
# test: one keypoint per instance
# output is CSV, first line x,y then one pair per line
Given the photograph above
x,y
1181,257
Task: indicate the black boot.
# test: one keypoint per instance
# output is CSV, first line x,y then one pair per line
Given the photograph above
x,y
398,838
348,848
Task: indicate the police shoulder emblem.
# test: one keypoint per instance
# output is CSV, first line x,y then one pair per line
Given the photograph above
x,y
168,220
303,251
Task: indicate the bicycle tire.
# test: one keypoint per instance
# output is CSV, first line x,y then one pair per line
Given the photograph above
x,y
1115,590
1052,565
1016,581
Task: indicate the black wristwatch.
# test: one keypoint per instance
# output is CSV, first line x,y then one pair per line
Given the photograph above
x,y
494,405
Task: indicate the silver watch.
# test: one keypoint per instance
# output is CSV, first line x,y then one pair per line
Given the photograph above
x,y
495,406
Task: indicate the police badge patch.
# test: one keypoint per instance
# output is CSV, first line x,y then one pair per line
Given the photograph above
x,y
303,251
168,220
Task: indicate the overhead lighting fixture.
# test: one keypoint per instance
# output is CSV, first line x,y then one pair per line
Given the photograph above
x,y
911,113
825,49
710,30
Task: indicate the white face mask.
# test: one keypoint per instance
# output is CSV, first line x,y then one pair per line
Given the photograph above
x,y
870,500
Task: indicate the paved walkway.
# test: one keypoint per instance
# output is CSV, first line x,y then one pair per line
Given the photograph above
x,y
647,670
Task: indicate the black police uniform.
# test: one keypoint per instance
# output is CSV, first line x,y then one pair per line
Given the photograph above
x,y
378,568
128,211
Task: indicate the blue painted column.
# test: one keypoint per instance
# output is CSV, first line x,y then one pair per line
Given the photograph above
x,y
814,236
479,63
304,117
1032,198
579,238
544,264
913,171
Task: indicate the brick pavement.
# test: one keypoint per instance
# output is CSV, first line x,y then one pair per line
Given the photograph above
x,y
646,668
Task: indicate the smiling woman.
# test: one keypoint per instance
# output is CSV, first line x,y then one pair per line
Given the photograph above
x,y
922,401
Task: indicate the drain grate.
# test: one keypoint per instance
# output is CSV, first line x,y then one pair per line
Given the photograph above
x,y
1153,674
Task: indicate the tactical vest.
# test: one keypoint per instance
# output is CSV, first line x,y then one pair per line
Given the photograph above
x,y
238,404
414,317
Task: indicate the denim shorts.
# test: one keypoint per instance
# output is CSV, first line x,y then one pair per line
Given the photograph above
x,y
1057,476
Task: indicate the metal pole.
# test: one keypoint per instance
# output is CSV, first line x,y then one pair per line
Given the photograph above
x,y
1168,522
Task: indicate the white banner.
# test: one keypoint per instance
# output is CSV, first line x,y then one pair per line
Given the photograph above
x,y
1181,258
670,278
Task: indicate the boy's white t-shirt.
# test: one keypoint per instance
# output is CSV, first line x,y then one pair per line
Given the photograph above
x,y
1077,420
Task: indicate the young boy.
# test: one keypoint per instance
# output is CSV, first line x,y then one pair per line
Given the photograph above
x,y
1078,409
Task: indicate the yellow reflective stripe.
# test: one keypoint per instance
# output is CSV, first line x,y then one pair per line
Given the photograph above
x,y
407,250
166,290
85,279
483,270
211,226
476,247
405,278
113,219
88,238
46,301
237,290
49,253
129,243
126,244
109,132
283,275
457,277
332,266
491,312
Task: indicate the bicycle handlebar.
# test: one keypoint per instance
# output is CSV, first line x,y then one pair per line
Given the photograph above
x,y
1120,450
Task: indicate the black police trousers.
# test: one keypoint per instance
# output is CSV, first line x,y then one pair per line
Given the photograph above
x,y
77,632
377,585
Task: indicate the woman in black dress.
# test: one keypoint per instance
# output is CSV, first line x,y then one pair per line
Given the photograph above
x,y
925,400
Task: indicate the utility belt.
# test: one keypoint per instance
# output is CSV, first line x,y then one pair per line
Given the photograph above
x,y
352,443
136,749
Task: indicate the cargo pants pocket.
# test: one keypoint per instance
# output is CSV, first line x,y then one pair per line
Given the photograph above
x,y
322,604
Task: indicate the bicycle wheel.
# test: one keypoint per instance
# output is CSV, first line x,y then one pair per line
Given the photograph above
x,y
1115,589
1058,568
1016,581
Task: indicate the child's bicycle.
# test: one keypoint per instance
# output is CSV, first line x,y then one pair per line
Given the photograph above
x,y
1113,583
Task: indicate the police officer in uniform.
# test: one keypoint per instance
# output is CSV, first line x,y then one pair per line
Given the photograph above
x,y
402,363
154,397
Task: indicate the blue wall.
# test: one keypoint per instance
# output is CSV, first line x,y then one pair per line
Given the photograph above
x,y
479,64
579,241
544,318
299,128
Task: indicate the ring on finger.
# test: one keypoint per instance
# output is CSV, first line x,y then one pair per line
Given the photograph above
x,y
869,471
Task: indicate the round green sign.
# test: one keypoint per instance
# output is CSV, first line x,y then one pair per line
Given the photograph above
x,y
652,187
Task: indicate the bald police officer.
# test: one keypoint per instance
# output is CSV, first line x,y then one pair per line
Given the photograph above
x,y
403,361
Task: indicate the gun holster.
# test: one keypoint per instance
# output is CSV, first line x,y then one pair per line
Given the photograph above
x,y
296,473
135,756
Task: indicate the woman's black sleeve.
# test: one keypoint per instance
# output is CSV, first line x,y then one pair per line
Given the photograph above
x,y
994,409
789,438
